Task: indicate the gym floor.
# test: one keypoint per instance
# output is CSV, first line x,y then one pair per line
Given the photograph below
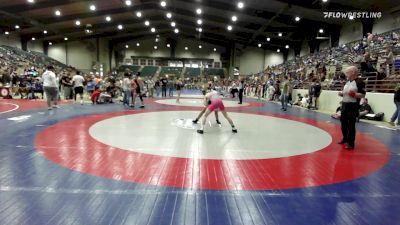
x,y
107,164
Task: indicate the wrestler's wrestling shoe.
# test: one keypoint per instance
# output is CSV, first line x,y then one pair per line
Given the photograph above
x,y
234,130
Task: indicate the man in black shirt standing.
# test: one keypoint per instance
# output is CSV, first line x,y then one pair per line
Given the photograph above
x,y
352,92
241,89
164,83
396,114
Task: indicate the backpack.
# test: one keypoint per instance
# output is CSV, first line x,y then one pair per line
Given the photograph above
x,y
376,117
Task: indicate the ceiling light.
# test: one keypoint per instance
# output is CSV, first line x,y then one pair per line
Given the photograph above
x,y
324,1
45,32
50,43
128,2
16,26
186,48
234,18
168,45
173,24
33,38
297,19
321,31
139,14
155,47
31,1
215,49
57,12
138,44
198,11
268,39
169,15
78,23
259,45
163,3
147,23
240,5
280,34
126,46
229,27
176,30
6,33
93,7
156,39
65,39
200,46
287,46
120,27
153,29
278,50
108,18
199,21
200,29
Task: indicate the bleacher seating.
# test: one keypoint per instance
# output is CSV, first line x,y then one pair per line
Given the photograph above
x,y
192,72
17,59
149,71
213,72
175,71
131,68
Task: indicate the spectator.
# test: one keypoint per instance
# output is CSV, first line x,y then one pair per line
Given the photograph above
x,y
388,60
150,87
90,86
299,99
67,85
170,86
365,108
126,87
305,101
285,93
316,92
50,87
338,112
164,83
396,114
78,82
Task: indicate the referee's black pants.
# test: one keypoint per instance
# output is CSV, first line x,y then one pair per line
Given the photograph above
x,y
240,96
348,120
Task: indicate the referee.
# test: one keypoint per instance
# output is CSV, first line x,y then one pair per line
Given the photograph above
x,y
352,92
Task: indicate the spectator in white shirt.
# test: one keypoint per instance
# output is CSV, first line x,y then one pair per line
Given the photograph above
x,y
78,82
126,87
50,86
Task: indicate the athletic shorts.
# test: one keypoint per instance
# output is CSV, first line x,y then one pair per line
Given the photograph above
x,y
216,104
78,90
